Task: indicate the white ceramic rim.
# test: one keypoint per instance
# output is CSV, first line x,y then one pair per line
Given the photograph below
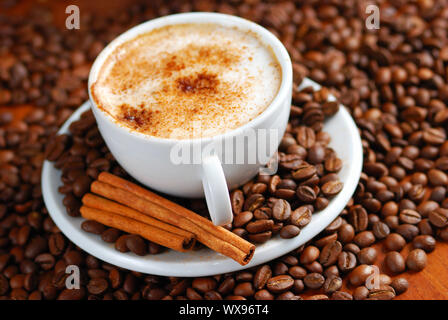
x,y
266,36
216,263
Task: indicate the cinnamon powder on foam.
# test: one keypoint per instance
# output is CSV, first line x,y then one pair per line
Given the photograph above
x,y
188,81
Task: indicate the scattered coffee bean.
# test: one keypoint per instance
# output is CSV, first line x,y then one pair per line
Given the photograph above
x,y
394,242
395,262
400,285
416,260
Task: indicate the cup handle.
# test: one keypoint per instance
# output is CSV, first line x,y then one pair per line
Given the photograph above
x,y
216,192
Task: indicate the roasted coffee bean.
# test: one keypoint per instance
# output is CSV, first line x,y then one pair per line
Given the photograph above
x,y
30,282
318,297
346,261
332,284
17,281
244,276
410,216
334,225
400,285
56,244
364,239
281,210
97,286
280,268
341,295
237,200
244,289
358,218
389,209
81,185
330,253
121,244
97,273
392,222
361,293
380,230
332,188
395,262
204,284
136,244
367,255
325,240
301,217
425,227
74,257
263,295
314,280
306,194
309,254
260,237
110,235
242,218
297,272
333,164
193,295
360,274
92,226
314,266
289,231
316,154
280,283
262,276
240,232
260,226
407,231
424,242
262,213
253,202
331,271
45,260
384,292
394,242
416,260
305,137
437,177
346,233
304,172
439,217
36,246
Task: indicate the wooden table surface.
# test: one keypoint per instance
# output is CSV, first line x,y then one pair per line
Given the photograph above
x,y
431,283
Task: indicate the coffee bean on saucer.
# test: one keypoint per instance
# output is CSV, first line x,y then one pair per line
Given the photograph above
x,y
92,226
289,231
136,244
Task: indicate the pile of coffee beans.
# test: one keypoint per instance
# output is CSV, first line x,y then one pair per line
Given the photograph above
x,y
307,179
392,79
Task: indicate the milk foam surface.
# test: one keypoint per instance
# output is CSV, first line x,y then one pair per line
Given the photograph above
x,y
188,81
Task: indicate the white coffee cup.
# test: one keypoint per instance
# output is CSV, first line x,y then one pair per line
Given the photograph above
x,y
149,159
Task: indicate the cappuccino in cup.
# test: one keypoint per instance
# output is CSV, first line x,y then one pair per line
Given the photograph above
x,y
186,81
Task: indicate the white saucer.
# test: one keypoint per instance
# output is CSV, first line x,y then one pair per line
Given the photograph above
x,y
345,141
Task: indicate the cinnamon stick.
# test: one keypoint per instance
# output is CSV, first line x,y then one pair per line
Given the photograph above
x,y
159,236
204,223
93,201
163,214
